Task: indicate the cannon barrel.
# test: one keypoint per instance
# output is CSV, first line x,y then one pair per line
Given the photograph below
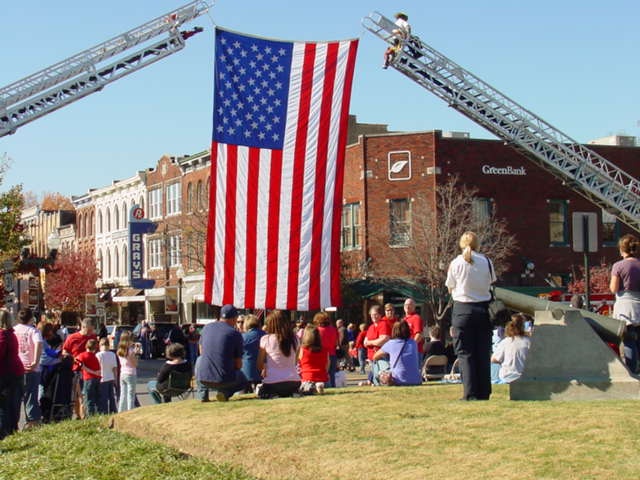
x,y
608,328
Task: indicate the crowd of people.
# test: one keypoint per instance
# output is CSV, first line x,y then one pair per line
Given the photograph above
x,y
239,353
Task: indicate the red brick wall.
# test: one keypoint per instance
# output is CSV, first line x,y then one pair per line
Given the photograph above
x,y
520,199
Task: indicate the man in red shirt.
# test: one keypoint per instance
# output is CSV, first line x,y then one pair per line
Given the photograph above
x,y
378,334
415,324
74,345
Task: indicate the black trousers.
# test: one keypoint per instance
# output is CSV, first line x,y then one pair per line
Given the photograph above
x,y
472,343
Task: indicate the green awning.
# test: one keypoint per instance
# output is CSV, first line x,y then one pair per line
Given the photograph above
x,y
392,287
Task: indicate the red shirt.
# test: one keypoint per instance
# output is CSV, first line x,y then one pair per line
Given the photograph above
x,y
89,360
313,365
11,363
360,339
374,331
390,321
76,343
329,337
415,326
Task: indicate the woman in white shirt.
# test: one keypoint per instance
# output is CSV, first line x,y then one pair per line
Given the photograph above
x,y
277,358
469,279
511,351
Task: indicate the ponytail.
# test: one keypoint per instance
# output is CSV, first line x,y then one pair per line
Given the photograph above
x,y
466,254
468,243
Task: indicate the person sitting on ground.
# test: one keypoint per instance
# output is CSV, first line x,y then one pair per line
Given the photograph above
x,y
402,352
250,348
511,352
176,362
314,362
435,346
277,358
219,366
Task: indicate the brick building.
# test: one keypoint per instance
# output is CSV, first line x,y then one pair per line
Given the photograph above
x,y
395,175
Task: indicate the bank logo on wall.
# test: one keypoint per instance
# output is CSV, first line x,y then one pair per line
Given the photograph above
x,y
399,165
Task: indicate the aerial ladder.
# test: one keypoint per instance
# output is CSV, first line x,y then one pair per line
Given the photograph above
x,y
580,168
90,70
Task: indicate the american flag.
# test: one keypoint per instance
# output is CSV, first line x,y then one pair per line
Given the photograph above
x,y
277,162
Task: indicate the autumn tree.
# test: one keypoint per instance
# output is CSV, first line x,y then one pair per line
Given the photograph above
x,y
55,201
436,233
73,276
599,276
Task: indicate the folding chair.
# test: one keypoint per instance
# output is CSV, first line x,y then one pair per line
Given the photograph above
x,y
179,385
435,367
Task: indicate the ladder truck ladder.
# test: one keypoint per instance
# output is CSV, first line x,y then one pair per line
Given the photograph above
x,y
87,72
580,168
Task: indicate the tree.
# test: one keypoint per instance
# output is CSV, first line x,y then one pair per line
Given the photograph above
x,y
56,201
435,236
11,205
599,276
72,277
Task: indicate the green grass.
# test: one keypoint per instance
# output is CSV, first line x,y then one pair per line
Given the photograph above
x,y
88,450
352,433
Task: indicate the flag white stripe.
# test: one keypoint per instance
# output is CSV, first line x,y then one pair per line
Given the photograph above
x,y
263,222
240,260
221,189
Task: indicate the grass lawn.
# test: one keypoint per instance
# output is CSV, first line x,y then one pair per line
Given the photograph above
x,y
353,433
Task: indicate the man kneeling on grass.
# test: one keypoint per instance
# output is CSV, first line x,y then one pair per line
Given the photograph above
x,y
218,366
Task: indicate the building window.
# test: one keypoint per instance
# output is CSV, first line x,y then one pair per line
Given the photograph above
x,y
116,262
155,253
558,222
199,193
100,263
481,210
100,226
351,226
173,198
610,229
399,222
124,215
116,218
108,263
108,219
174,250
189,197
155,203
125,266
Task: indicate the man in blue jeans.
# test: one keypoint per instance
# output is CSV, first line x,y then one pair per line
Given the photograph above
x,y
30,346
219,365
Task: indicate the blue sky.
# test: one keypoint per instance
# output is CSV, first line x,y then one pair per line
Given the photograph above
x,y
575,64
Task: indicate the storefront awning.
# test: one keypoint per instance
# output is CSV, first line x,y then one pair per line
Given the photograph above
x,y
391,287
155,293
129,295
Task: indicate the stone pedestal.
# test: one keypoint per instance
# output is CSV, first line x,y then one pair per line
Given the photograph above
x,y
568,361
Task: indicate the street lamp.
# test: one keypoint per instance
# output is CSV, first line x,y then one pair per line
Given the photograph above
x,y
180,276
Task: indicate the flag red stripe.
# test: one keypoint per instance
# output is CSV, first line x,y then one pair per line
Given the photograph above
x,y
337,194
297,190
321,174
210,245
230,223
273,225
252,226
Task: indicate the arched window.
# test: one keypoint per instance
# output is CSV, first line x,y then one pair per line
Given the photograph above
x,y
100,225
108,263
125,261
108,219
199,195
100,263
125,217
91,219
116,218
116,262
206,194
189,197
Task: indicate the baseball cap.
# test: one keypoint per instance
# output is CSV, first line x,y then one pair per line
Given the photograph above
x,y
228,311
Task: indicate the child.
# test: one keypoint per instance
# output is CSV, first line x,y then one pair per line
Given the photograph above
x,y
90,366
391,52
108,370
314,361
128,358
359,346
